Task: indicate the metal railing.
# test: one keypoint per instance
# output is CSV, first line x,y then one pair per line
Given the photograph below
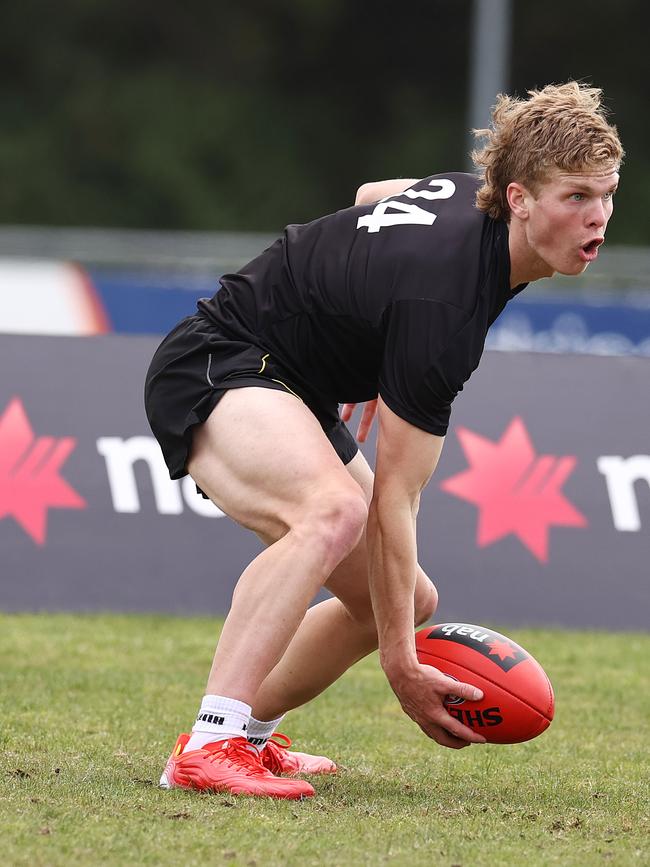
x,y
620,271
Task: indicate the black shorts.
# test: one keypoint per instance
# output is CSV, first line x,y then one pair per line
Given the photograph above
x,y
195,365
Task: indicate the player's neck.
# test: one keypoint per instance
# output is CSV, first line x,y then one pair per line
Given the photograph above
x,y
525,264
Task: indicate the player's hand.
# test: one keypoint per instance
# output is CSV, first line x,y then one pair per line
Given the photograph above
x,y
421,690
367,417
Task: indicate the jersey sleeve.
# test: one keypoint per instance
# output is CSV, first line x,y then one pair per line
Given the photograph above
x,y
429,353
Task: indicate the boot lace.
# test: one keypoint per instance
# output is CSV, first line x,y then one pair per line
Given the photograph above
x,y
275,748
240,753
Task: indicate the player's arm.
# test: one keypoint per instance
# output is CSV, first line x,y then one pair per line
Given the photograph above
x,y
406,459
372,192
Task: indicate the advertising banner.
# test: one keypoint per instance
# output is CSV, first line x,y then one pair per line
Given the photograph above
x,y
539,512
68,299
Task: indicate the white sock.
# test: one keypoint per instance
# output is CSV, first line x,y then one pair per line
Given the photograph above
x,y
219,717
259,732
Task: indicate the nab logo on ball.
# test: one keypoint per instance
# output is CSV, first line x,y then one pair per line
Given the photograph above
x,y
516,491
30,473
495,647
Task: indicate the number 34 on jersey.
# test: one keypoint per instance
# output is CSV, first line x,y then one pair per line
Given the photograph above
x,y
389,212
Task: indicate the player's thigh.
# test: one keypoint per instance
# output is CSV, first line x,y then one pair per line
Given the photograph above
x,y
263,458
349,582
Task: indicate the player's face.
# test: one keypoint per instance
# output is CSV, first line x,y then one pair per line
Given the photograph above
x,y
568,217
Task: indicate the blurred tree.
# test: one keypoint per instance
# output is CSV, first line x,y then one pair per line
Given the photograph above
x,y
252,115
605,44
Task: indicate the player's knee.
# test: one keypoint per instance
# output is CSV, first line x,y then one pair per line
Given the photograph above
x,y
426,599
335,523
346,517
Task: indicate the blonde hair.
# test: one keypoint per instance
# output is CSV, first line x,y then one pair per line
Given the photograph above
x,y
559,127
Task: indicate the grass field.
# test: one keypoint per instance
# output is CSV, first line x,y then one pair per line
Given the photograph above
x,y
90,708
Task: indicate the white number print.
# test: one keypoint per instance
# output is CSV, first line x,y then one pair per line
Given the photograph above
x,y
403,214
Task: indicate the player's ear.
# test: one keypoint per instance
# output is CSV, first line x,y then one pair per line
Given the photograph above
x,y
517,196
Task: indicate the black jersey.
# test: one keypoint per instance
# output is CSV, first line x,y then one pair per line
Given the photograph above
x,y
393,298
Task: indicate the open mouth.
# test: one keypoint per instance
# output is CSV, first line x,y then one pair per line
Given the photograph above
x,y
589,251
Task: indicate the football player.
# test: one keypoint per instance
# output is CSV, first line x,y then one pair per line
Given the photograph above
x,y
387,302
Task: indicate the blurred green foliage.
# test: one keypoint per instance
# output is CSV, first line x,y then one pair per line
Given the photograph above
x,y
251,115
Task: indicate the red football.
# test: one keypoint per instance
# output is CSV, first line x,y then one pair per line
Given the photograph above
x,y
517,703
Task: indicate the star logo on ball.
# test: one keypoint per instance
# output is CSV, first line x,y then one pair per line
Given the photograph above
x,y
502,649
30,479
516,491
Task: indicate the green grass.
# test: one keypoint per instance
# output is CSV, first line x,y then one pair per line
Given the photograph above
x,y
90,708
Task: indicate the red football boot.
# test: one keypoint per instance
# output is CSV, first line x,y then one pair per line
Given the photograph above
x,y
232,765
277,758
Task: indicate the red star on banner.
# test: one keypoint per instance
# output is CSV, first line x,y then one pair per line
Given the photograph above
x,y
502,649
516,491
30,482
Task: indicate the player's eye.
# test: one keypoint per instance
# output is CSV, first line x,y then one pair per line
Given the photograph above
x,y
577,197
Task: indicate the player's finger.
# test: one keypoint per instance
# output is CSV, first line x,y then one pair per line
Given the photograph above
x,y
458,730
445,739
367,417
346,411
464,690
